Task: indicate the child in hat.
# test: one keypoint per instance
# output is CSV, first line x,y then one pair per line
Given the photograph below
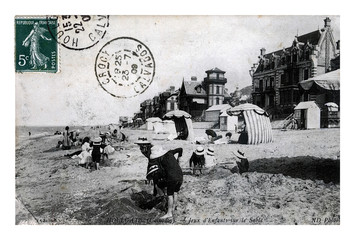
x,y
172,172
198,159
96,151
210,158
243,165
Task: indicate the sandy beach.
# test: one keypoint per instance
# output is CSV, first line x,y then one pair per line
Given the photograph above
x,y
293,180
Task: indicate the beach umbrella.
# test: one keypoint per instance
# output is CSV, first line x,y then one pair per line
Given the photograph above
x,y
211,133
176,114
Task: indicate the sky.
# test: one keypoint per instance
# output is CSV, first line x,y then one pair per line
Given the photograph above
x,y
182,46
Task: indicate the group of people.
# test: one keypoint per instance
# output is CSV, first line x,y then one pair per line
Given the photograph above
x,y
200,159
70,138
92,151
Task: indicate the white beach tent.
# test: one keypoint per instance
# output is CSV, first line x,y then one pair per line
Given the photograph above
x,y
169,126
151,122
308,115
227,122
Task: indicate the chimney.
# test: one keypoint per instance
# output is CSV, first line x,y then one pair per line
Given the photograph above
x,y
262,51
193,78
172,89
327,22
338,45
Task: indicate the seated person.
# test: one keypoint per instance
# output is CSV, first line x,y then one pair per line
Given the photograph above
x,y
182,134
210,159
198,159
243,137
243,165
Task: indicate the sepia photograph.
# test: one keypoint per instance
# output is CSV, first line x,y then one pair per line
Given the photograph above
x,y
177,120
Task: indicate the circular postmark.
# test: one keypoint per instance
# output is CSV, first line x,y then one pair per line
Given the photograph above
x,y
124,67
78,32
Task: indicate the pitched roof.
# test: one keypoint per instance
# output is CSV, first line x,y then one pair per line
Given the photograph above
x,y
312,37
219,107
190,88
215,70
306,105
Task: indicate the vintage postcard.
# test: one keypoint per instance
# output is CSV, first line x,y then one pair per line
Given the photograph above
x,y
182,120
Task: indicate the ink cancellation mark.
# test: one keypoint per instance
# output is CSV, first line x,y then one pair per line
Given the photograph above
x,y
124,67
35,49
78,32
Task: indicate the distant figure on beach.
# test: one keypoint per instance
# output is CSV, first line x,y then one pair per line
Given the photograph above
x,y
243,165
197,159
29,134
85,155
243,137
118,135
66,139
210,159
73,135
171,171
85,143
182,134
96,152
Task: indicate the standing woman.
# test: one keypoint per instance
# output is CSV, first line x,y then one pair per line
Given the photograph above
x,y
66,139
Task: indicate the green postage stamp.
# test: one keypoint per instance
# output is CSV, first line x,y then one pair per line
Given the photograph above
x,y
35,48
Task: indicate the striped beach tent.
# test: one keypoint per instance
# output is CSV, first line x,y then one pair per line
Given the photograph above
x,y
257,122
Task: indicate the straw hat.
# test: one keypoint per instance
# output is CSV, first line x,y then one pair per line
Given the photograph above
x,y
210,151
157,151
142,141
97,140
240,155
200,150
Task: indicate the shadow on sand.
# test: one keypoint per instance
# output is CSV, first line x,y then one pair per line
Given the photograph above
x,y
304,167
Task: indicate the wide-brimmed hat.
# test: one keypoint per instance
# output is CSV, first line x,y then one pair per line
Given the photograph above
x,y
142,141
157,151
210,151
97,140
241,155
200,150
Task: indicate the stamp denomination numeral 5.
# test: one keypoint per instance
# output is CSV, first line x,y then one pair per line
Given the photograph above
x,y
22,60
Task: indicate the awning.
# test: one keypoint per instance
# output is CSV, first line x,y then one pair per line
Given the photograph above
x,y
237,110
327,81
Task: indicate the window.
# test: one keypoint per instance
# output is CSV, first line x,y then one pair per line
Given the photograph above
x,y
198,89
296,97
256,85
296,76
283,79
271,82
294,57
305,74
172,105
217,89
217,101
213,76
306,55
